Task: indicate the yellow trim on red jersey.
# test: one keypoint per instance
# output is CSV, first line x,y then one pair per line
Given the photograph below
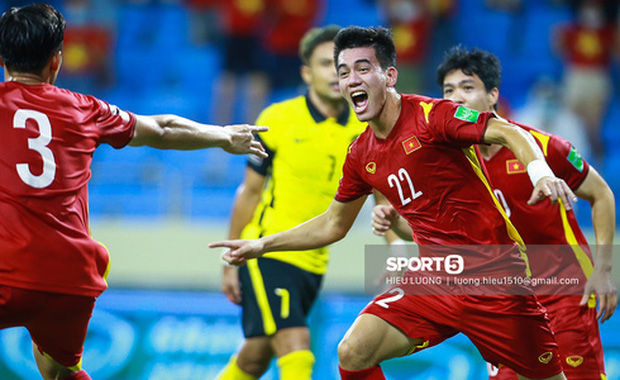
x,y
74,368
107,269
582,257
512,231
544,140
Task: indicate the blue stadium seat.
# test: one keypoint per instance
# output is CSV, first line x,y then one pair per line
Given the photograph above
x,y
611,130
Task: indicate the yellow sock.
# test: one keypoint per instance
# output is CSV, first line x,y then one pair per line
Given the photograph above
x,y
296,366
233,372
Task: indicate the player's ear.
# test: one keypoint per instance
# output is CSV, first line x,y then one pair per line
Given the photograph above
x,y
306,75
392,76
493,96
56,61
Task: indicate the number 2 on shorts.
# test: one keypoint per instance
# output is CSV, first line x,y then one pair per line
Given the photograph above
x,y
384,302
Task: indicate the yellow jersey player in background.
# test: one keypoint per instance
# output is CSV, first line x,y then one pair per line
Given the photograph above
x,y
307,145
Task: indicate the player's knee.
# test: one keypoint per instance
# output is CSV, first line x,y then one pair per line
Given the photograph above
x,y
255,366
352,357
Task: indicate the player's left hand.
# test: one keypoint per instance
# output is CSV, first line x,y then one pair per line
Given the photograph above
x,y
602,285
240,251
383,217
555,189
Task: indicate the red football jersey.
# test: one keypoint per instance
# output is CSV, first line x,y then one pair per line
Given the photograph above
x,y
554,225
48,139
429,171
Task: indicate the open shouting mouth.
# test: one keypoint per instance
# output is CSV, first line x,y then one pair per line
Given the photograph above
x,y
360,100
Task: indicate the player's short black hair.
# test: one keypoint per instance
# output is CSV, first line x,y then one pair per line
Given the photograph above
x,y
379,38
313,38
30,36
475,61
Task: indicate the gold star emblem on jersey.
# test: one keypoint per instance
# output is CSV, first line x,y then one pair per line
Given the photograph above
x,y
546,357
514,166
411,144
371,167
574,361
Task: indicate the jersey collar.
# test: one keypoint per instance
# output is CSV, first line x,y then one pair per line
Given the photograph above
x,y
342,119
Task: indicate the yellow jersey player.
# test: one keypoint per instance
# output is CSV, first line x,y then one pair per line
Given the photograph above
x,y
307,145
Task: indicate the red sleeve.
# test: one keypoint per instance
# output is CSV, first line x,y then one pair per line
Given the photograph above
x,y
115,126
457,125
352,186
566,162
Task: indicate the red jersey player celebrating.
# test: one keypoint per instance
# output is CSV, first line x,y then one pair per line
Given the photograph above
x,y
51,270
472,78
418,152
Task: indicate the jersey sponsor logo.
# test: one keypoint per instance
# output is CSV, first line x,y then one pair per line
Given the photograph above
x,y
411,144
467,114
575,158
371,167
514,166
574,361
546,357
427,110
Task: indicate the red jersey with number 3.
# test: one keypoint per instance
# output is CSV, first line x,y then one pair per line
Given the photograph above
x,y
554,225
429,171
48,139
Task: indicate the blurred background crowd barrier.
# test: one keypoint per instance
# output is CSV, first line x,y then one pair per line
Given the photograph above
x,y
170,56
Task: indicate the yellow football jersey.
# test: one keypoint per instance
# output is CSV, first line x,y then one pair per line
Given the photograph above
x,y
308,152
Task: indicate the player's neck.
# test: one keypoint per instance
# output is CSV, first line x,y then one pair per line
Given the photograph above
x,y
488,151
327,107
26,78
383,124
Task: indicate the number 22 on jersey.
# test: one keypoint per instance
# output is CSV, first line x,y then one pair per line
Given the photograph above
x,y
395,180
39,145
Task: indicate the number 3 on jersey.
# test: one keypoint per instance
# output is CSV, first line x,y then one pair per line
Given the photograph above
x,y
403,176
38,144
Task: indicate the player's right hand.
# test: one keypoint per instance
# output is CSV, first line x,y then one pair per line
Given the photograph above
x,y
230,284
555,189
382,218
241,140
240,251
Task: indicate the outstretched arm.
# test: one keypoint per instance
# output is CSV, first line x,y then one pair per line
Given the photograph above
x,y
323,230
523,145
595,190
174,132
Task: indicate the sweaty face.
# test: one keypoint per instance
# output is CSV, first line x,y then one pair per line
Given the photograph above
x,y
468,90
323,78
362,81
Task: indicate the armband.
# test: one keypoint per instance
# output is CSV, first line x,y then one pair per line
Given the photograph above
x,y
538,169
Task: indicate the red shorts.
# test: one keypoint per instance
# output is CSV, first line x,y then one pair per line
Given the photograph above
x,y
577,335
507,330
57,322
